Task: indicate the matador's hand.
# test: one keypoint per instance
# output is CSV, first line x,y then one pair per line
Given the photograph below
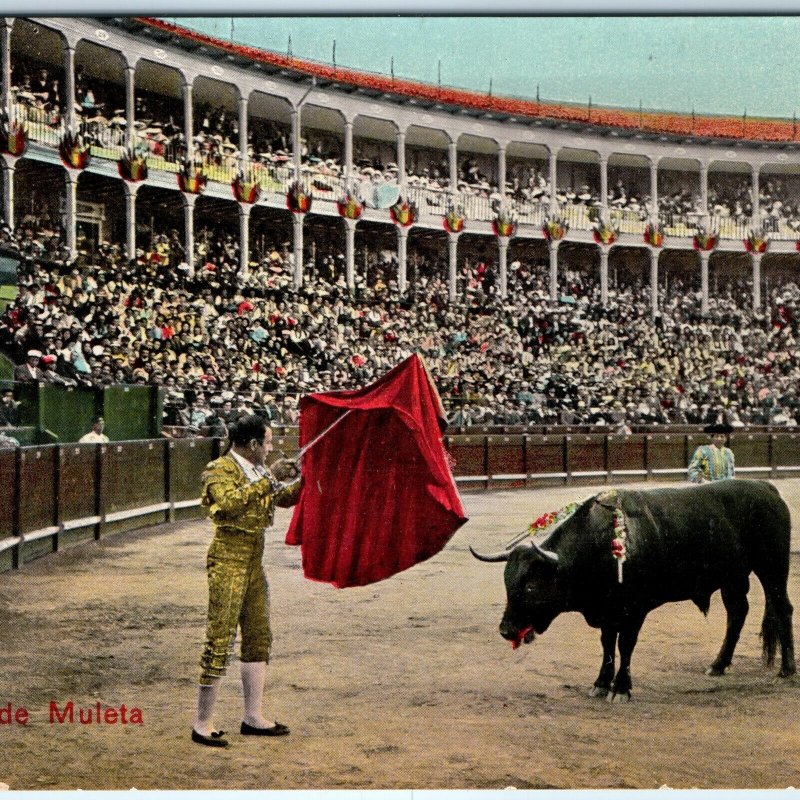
x,y
285,470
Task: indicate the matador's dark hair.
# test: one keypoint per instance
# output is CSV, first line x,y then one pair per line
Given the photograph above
x,y
247,428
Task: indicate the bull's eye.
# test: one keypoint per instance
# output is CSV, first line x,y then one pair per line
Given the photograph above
x,y
530,588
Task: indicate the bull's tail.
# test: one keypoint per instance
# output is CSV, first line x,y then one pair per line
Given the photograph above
x,y
769,632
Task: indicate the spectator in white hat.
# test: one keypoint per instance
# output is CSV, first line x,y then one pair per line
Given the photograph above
x,y
29,372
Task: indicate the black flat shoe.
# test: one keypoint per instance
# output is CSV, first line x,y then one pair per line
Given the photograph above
x,y
278,729
215,740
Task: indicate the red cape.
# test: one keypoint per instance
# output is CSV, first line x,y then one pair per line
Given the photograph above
x,y
378,495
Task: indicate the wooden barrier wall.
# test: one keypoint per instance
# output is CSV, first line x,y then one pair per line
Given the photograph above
x,y
59,495
492,461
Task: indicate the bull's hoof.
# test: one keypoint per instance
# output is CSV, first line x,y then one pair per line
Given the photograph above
x,y
621,697
714,670
599,691
787,672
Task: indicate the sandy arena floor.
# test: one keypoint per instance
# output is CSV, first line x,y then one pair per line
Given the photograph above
x,y
404,684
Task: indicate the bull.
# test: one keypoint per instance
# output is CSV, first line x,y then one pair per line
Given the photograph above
x,y
681,544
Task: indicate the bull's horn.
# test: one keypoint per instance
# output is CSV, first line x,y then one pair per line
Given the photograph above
x,y
493,557
548,555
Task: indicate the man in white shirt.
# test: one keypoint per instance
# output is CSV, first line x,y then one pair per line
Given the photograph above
x,y
95,435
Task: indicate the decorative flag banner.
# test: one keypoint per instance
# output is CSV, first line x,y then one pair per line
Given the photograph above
x,y
13,137
378,496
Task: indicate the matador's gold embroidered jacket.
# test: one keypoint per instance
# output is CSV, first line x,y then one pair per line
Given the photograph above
x,y
235,503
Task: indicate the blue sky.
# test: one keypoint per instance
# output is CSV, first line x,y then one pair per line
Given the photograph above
x,y
719,65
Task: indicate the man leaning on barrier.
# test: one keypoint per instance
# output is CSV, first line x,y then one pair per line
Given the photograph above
x,y
240,494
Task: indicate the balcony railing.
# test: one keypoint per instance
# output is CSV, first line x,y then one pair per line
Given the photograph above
x,y
531,213
580,217
42,126
627,221
108,142
430,201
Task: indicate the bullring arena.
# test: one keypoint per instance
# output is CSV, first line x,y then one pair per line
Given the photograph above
x,y
195,230
402,684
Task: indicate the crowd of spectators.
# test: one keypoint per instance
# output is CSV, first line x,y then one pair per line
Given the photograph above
x,y
37,89
219,345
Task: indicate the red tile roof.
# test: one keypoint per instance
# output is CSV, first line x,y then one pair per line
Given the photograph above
x,y
755,129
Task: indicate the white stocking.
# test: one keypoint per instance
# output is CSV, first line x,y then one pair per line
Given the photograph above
x,y
254,674
206,700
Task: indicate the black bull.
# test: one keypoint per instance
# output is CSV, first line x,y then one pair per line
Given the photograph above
x,y
682,544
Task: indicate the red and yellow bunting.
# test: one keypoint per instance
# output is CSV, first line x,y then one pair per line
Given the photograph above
x,y
504,225
191,179
349,206
132,167
654,235
74,152
555,229
604,234
245,191
705,240
298,200
13,138
756,242
403,213
453,221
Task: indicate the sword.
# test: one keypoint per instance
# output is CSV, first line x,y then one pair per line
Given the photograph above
x,y
295,461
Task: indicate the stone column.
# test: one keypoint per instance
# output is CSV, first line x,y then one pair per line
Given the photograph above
x,y
756,213
452,251
244,160
654,190
298,250
69,87
130,107
553,248
130,217
502,246
71,211
244,239
401,161
8,164
553,178
501,172
604,185
452,157
655,253
704,188
756,281
5,58
297,156
348,153
188,230
402,259
188,120
350,252
604,250
704,256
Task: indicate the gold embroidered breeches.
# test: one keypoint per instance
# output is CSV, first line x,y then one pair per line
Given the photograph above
x,y
238,596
